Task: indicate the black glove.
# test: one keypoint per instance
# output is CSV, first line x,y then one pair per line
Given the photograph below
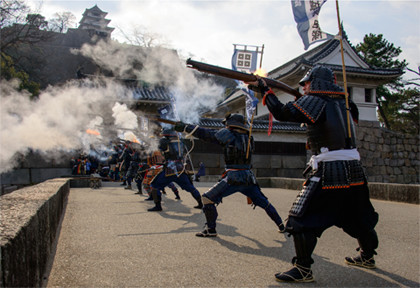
x,y
253,88
262,87
180,126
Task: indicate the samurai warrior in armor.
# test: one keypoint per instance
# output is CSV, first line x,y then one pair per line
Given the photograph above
x,y
148,171
237,177
335,192
174,170
125,163
132,169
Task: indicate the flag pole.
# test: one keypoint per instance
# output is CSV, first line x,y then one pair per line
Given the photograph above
x,y
262,52
249,136
344,74
253,112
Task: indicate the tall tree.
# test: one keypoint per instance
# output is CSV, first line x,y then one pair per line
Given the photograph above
x,y
8,72
19,28
407,104
398,104
19,25
141,36
61,22
410,118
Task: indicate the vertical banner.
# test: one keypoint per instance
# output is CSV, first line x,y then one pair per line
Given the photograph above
x,y
244,60
306,14
251,103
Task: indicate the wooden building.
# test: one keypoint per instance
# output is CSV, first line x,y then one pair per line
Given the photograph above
x,y
282,153
94,20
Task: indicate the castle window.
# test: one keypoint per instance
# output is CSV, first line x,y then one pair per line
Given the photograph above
x,y
350,92
368,95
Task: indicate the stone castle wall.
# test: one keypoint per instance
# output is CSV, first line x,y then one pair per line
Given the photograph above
x,y
389,157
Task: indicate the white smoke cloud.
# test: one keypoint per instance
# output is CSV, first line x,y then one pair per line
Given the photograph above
x,y
124,118
159,66
59,119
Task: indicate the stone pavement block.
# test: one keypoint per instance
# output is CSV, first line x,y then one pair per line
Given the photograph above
x,y
109,239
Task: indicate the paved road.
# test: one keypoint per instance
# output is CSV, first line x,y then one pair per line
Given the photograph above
x,y
109,239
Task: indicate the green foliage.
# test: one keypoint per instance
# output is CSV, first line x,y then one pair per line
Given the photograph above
x,y
8,72
398,106
405,105
378,52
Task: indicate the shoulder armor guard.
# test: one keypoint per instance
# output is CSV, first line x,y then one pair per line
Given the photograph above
x,y
224,136
310,106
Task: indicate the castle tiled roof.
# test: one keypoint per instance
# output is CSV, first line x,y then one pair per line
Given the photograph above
x,y
317,54
157,94
160,95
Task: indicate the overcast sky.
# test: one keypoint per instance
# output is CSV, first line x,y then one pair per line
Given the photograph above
x,y
207,30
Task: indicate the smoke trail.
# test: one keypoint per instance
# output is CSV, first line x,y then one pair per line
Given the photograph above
x,y
124,118
57,122
159,66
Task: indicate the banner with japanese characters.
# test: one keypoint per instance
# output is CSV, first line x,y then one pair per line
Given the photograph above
x,y
306,14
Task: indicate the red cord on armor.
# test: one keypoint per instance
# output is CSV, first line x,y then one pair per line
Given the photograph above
x,y
227,170
265,95
304,112
336,187
343,186
357,184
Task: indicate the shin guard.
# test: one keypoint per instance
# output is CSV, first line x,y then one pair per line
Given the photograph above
x,y
157,198
304,245
210,212
368,244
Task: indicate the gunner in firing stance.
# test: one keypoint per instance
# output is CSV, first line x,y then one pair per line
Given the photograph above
x,y
174,170
238,176
335,192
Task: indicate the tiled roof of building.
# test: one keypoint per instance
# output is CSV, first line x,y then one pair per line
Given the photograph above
x,y
161,94
157,94
313,56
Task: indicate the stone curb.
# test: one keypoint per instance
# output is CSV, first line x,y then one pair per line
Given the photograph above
x,y
30,218
408,193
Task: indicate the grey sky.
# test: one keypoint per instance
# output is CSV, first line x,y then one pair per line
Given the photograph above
x,y
207,30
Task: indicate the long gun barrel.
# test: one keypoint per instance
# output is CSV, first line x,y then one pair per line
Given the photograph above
x,y
245,77
164,120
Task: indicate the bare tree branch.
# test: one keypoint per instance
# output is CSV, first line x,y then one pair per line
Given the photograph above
x,y
141,36
61,22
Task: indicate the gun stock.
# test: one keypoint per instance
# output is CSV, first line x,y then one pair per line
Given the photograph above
x,y
245,77
164,120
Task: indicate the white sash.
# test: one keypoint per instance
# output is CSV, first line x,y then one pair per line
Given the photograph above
x,y
335,155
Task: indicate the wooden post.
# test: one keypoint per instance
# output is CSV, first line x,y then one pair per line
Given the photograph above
x,y
344,73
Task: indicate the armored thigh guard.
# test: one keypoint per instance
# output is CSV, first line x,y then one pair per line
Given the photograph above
x,y
240,177
301,202
342,174
215,192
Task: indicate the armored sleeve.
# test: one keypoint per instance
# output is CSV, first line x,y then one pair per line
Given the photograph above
x,y
224,137
285,112
202,133
310,107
